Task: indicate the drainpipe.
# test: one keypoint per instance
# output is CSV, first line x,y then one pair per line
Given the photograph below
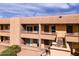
x,y
78,32
78,35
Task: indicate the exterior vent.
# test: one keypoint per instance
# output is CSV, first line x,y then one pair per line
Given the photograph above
x,y
60,16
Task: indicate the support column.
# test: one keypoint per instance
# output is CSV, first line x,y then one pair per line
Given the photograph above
x,y
78,32
0,38
0,27
15,29
39,35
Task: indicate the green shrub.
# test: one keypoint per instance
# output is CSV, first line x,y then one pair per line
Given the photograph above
x,y
15,48
8,53
11,51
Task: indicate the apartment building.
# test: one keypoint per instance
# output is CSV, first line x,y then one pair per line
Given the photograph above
x,y
41,31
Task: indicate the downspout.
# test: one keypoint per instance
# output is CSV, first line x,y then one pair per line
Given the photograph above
x,y
78,32
78,37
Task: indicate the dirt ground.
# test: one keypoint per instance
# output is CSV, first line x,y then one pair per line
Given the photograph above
x,y
2,48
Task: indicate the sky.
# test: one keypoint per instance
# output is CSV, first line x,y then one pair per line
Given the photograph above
x,y
8,10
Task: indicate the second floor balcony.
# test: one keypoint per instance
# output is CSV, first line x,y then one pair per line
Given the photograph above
x,y
72,37
30,29
4,29
34,31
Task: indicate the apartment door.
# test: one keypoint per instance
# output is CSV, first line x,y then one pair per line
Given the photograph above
x,y
47,43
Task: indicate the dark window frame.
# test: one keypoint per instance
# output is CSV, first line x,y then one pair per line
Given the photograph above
x,y
5,27
69,28
36,28
53,28
29,28
46,28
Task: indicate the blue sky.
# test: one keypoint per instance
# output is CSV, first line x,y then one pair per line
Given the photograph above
x,y
37,9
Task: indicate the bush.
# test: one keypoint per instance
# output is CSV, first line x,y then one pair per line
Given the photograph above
x,y
15,48
11,51
8,53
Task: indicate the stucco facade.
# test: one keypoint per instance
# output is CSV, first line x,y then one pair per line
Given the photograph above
x,y
40,31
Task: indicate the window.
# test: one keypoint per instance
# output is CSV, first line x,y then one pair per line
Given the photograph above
x,y
53,28
24,26
36,28
1,27
4,27
4,38
46,28
1,38
7,38
29,28
69,29
28,41
7,27
35,41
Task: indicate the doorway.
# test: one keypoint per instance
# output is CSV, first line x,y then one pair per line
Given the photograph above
x,y
47,43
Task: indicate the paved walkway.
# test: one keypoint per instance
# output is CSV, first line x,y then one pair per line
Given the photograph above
x,y
26,52
54,52
59,53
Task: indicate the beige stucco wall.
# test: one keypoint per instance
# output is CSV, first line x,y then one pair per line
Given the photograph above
x,y
75,28
59,53
76,45
16,34
48,37
4,34
15,31
28,35
72,39
60,30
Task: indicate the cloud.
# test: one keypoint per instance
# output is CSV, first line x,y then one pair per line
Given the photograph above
x,y
34,9
58,5
73,4
1,16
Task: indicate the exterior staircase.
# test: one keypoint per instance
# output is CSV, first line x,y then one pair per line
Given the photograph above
x,y
59,42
